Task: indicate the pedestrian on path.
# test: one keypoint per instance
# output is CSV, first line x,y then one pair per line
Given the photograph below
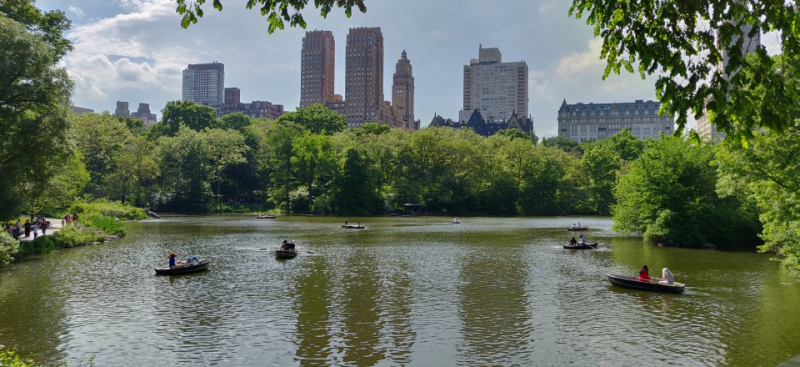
x,y
27,228
35,230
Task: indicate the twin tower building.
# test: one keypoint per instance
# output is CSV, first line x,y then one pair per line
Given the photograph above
x,y
364,100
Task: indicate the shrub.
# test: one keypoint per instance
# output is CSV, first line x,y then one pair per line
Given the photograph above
x,y
106,224
108,208
10,358
41,245
8,248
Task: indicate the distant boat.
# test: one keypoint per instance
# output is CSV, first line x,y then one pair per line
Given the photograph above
x,y
354,226
265,216
285,254
653,285
183,269
456,221
576,228
585,246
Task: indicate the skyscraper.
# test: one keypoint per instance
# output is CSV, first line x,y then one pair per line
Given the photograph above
x,y
204,83
122,109
497,89
364,76
317,68
403,91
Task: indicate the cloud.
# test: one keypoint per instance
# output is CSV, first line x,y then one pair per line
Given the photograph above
x,y
77,11
578,62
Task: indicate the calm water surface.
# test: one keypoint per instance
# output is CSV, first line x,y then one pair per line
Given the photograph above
x,y
404,291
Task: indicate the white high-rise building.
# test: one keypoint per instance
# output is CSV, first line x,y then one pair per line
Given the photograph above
x,y
498,89
204,83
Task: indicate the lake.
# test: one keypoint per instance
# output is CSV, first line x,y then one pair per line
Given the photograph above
x,y
404,291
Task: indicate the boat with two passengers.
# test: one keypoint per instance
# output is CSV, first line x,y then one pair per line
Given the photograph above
x,y
651,285
581,246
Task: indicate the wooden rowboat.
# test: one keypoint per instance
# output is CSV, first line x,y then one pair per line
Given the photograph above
x,y
577,228
353,226
653,285
285,254
183,269
265,216
585,246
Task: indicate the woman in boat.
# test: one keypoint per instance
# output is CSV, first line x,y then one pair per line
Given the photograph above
x,y
667,277
644,274
573,242
582,240
286,245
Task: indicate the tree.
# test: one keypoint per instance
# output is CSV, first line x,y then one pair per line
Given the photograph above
x,y
356,191
34,93
185,171
184,113
224,148
277,11
136,169
375,128
669,197
599,167
565,144
100,138
235,121
316,118
280,143
64,185
314,161
683,42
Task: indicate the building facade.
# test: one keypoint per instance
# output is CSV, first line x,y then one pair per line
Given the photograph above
x,y
255,109
143,113
122,109
498,89
478,123
597,121
364,76
232,96
403,91
204,83
318,68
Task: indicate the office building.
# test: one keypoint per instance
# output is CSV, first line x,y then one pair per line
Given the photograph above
x,y
498,89
317,68
255,109
597,121
364,80
143,113
403,91
232,96
204,83
122,109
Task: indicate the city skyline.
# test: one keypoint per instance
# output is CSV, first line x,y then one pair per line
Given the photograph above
x,y
136,50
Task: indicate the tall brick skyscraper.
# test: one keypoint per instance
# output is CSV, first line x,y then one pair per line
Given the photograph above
x,y
403,90
317,68
364,76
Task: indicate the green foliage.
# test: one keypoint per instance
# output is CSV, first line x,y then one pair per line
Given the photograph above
x,y
8,248
34,99
669,196
317,118
178,114
276,11
10,358
683,42
567,145
109,209
375,128
356,191
100,138
109,225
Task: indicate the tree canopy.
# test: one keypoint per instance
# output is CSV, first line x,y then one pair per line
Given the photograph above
x,y
683,43
276,11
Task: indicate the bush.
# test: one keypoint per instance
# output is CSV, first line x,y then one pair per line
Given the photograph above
x,y
108,208
106,224
8,248
10,358
71,236
41,245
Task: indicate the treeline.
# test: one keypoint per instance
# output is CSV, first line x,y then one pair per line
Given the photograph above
x,y
309,162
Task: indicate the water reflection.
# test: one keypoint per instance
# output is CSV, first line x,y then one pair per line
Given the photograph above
x,y
312,297
361,322
494,309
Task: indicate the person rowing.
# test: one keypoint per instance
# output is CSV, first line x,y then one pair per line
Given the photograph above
x,y
573,242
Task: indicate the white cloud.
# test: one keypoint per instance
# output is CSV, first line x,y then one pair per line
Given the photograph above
x,y
77,11
580,61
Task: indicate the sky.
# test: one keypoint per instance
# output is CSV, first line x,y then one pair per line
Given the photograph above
x,y
135,51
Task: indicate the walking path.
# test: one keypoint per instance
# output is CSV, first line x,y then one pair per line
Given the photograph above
x,y
55,225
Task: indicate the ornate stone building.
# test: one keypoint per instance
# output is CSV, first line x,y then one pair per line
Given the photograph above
x,y
478,123
403,91
596,121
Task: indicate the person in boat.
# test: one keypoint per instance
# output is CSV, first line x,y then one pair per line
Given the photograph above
x,y
345,223
173,260
667,277
286,245
573,242
644,274
582,240
574,226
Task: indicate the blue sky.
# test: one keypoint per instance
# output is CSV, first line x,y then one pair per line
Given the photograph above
x,y
135,50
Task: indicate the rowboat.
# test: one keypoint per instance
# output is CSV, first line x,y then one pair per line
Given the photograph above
x,y
585,246
182,269
577,228
265,216
285,254
652,285
354,226
456,221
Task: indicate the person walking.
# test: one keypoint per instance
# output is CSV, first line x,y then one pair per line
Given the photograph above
x,y
27,228
35,230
